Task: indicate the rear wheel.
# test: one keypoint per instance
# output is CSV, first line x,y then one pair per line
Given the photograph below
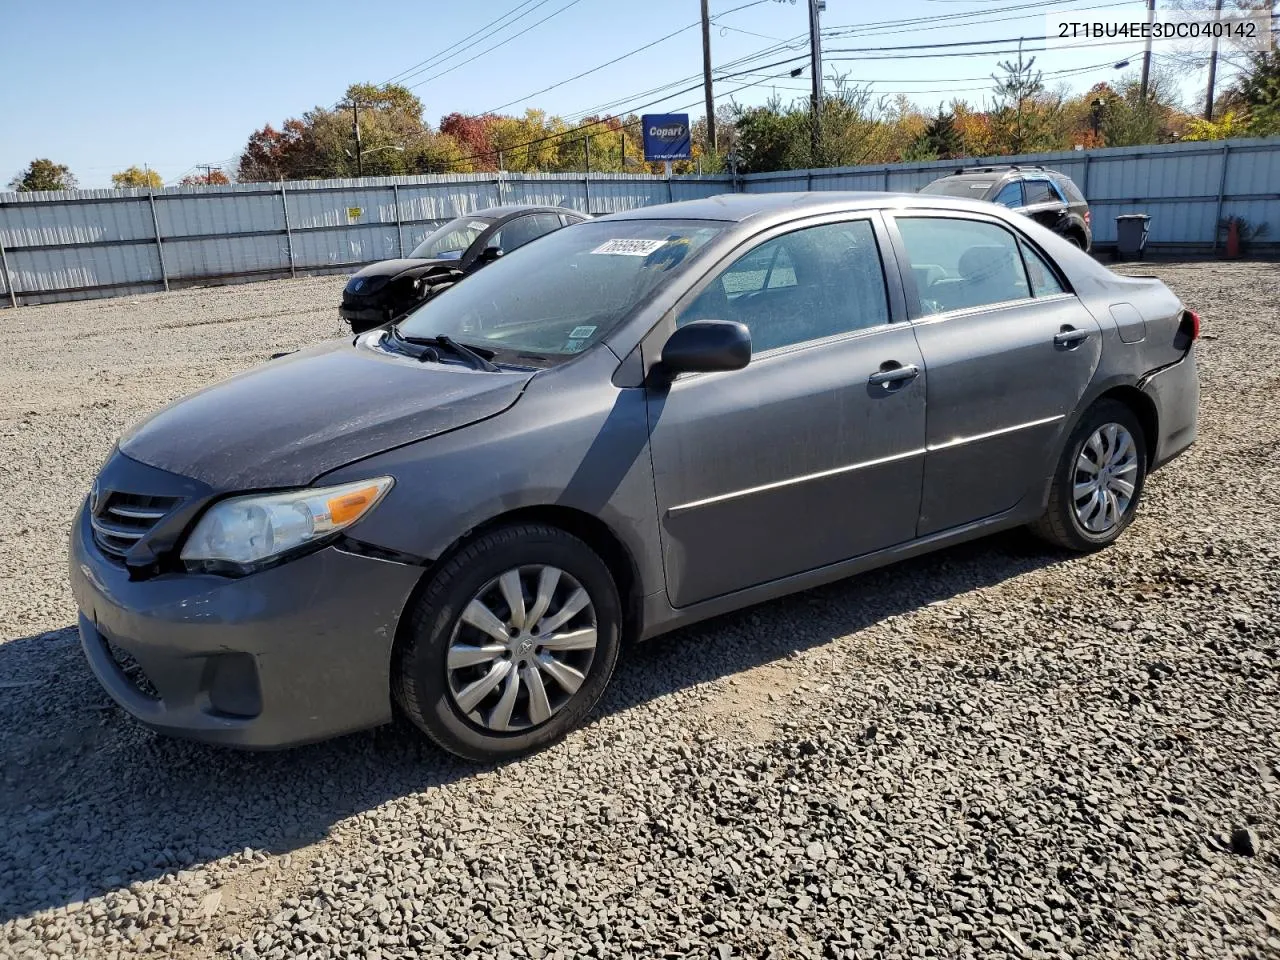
x,y
1075,240
511,645
1098,481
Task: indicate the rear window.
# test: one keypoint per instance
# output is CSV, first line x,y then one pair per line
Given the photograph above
x,y
1069,187
959,187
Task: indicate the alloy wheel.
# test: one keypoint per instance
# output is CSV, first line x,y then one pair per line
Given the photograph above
x,y
521,648
1106,472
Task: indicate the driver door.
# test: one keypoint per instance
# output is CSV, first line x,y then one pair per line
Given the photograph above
x,y
811,454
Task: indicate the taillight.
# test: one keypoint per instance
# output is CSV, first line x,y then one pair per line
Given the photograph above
x,y
1188,330
1088,219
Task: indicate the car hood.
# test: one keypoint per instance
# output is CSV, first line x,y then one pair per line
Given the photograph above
x,y
290,420
393,268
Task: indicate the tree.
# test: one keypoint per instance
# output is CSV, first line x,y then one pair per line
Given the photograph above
x,y
1127,120
44,175
284,154
1019,117
210,178
940,139
322,142
136,177
1258,93
1228,125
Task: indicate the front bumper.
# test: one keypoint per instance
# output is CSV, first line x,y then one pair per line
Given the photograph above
x,y
293,654
363,317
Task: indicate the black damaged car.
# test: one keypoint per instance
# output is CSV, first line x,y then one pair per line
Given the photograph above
x,y
384,290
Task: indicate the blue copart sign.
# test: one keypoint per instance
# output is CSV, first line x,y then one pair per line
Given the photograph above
x,y
666,136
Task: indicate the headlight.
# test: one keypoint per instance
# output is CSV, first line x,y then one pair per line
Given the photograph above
x,y
248,530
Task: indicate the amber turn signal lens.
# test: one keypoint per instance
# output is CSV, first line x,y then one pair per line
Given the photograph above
x,y
348,507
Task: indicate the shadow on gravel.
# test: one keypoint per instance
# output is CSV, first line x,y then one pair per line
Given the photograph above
x,y
90,801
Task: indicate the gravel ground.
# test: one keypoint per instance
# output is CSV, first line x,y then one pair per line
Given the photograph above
x,y
993,751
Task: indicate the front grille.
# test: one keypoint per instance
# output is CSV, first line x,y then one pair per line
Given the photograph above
x,y
125,519
130,667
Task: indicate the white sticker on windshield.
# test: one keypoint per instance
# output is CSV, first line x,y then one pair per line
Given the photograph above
x,y
581,333
629,248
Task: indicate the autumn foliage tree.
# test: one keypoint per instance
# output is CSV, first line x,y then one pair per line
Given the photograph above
x,y
210,178
44,174
136,176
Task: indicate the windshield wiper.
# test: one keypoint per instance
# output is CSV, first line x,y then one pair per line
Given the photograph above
x,y
473,357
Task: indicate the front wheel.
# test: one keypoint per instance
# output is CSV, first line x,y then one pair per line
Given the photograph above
x,y
1098,482
511,645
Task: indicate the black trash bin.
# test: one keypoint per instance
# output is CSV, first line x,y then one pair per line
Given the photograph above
x,y
1131,235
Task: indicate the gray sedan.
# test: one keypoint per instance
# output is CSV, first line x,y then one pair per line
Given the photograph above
x,y
636,423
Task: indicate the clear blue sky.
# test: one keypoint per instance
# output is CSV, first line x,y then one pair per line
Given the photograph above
x,y
103,84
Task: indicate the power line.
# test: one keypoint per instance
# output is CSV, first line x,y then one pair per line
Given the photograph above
x,y
454,47
618,59
502,43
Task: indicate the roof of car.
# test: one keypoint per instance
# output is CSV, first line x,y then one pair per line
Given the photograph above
x,y
1001,171
736,207
509,209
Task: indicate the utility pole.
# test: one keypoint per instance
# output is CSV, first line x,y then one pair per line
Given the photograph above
x,y
1213,64
706,78
815,67
355,127
208,169
1146,56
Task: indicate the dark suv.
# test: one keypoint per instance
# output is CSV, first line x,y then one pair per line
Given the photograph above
x,y
1046,196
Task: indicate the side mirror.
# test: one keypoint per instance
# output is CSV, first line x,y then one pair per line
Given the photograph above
x,y
706,345
488,255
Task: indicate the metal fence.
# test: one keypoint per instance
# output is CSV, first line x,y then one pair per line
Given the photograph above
x,y
1186,188
92,243
95,243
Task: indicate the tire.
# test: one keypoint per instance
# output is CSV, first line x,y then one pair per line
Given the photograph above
x,y
1062,523
428,690
1075,240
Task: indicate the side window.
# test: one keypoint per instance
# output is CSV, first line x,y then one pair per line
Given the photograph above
x,y
1010,195
1040,191
523,229
962,263
1068,186
1043,281
806,285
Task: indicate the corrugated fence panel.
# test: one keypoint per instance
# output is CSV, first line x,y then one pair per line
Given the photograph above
x,y
349,206
40,224
214,257
348,247
218,214
78,268
561,191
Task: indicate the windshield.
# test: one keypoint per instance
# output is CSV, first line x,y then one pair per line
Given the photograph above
x,y
956,187
450,242
556,297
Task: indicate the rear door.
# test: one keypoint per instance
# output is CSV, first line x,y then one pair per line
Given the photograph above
x,y
812,453
1044,204
1009,351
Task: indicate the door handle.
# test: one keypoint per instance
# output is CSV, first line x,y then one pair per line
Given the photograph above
x,y
1070,337
888,375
